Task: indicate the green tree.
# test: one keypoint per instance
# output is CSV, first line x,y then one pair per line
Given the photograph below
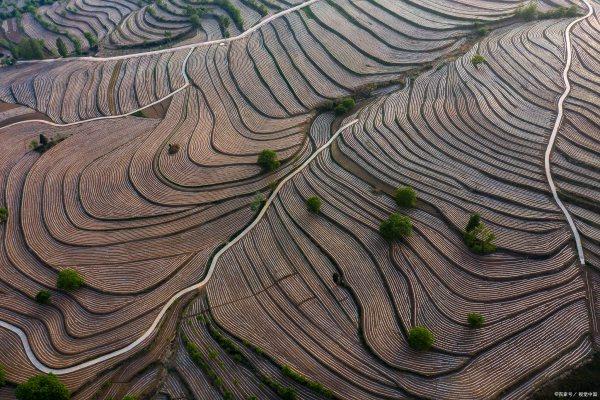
x,y
267,159
130,397
43,297
3,215
29,49
314,204
405,196
395,227
257,202
62,47
475,320
474,222
196,21
92,40
478,59
420,338
69,279
344,106
480,239
2,376
42,387
528,12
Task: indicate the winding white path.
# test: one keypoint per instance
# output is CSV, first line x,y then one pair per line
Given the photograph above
x,y
173,93
191,46
61,371
187,46
557,125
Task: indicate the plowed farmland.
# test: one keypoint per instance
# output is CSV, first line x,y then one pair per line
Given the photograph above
x,y
195,203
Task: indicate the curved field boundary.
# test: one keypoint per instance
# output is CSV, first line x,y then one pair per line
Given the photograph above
x,y
61,371
173,49
173,93
558,123
187,46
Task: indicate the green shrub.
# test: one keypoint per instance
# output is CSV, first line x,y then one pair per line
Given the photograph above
x,y
196,21
62,47
478,237
257,202
313,204
286,393
473,223
316,386
478,59
69,279
267,159
233,11
92,40
42,387
475,320
2,376
528,12
420,338
29,49
130,397
3,215
405,196
43,297
344,106
395,227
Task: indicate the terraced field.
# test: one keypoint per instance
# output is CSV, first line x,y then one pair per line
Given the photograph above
x,y
207,277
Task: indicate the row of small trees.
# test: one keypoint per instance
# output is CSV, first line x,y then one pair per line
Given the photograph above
x,y
68,280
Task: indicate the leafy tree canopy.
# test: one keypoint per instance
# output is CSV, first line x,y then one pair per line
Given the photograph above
x,y
42,387
395,227
420,338
69,279
405,196
267,159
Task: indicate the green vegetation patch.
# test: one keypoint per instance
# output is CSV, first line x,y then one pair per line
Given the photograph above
x,y
395,227
420,338
301,379
478,237
42,387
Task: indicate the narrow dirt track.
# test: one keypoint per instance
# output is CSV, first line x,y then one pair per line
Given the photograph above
x,y
43,368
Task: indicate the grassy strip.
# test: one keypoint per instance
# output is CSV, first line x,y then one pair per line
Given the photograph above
x,y
199,360
286,393
301,379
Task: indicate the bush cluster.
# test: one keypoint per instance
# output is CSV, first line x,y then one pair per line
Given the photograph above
x,y
69,279
44,143
478,237
199,360
267,159
531,12
475,320
301,379
42,387
339,107
405,196
3,215
314,204
233,11
28,49
478,59
396,227
420,338
43,297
